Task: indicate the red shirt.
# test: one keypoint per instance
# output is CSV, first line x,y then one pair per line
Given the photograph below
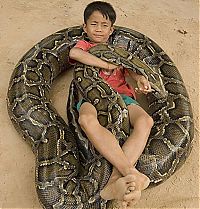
x,y
116,79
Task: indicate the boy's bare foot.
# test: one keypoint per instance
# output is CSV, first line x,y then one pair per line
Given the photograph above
x,y
132,197
142,181
117,189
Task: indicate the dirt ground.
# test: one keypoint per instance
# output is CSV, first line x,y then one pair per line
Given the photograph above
x,y
173,24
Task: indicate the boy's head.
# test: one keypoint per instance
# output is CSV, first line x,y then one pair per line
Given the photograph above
x,y
104,8
99,18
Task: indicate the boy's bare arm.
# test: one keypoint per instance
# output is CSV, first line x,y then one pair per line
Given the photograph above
x,y
89,59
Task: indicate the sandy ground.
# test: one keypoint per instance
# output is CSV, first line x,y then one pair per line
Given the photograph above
x,y
173,24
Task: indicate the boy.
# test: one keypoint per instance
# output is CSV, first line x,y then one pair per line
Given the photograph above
x,y
125,182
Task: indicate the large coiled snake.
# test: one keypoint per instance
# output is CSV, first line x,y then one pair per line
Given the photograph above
x,y
69,171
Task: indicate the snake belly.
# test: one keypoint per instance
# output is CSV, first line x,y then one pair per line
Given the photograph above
x,y
69,171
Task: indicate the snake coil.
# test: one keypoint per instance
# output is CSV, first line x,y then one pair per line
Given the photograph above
x,y
69,171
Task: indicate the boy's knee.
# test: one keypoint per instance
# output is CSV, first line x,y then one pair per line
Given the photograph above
x,y
148,121
83,119
86,120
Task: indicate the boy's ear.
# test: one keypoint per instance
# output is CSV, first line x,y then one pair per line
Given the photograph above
x,y
84,27
111,30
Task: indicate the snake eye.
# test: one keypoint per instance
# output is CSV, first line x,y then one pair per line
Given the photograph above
x,y
96,101
79,79
45,140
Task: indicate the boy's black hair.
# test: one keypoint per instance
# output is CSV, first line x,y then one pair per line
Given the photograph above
x,y
104,8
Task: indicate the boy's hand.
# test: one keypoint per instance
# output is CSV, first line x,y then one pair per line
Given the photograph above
x,y
110,67
143,85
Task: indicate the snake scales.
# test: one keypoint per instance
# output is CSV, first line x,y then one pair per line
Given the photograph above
x,y
69,171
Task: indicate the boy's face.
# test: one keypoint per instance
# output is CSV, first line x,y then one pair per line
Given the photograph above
x,y
98,28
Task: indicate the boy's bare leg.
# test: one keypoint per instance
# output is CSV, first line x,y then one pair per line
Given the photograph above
x,y
105,142
134,145
132,148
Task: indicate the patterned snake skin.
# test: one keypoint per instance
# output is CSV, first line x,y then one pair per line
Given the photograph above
x,y
69,171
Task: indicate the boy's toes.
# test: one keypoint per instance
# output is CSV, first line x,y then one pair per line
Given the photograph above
x,y
131,184
130,189
132,196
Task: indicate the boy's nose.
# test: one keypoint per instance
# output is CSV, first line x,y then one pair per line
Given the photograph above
x,y
98,28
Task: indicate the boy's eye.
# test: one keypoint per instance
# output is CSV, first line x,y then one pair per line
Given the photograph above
x,y
105,25
93,23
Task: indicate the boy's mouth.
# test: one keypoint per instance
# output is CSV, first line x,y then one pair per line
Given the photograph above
x,y
98,36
